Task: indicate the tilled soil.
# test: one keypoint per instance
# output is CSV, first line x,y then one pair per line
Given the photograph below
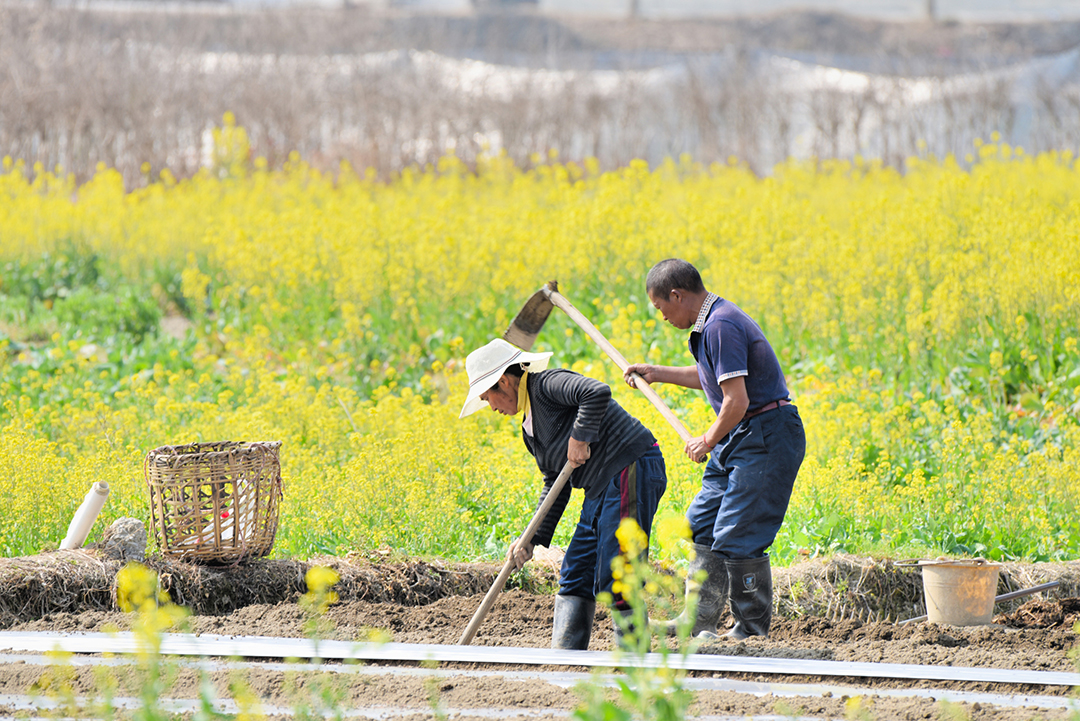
x,y
1037,636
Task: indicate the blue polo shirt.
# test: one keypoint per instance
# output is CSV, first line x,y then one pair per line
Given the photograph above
x,y
726,343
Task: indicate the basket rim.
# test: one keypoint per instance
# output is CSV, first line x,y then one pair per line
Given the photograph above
x,y
212,448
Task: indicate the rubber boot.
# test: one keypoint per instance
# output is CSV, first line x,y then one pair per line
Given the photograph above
x,y
573,622
712,594
751,597
621,640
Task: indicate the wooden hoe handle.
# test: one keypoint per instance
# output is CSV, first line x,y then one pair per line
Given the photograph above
x,y
500,581
560,301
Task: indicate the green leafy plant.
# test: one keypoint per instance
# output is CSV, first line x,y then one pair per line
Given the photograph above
x,y
317,695
317,600
858,708
784,708
433,686
57,685
150,676
646,693
949,711
137,590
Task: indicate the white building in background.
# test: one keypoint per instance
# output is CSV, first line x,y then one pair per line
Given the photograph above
x,y
962,10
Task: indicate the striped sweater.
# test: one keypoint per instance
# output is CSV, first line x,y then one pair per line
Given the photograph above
x,y
565,404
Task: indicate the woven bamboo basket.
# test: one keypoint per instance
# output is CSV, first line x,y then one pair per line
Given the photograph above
x,y
214,503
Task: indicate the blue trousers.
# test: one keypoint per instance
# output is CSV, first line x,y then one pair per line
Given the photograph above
x,y
747,484
586,568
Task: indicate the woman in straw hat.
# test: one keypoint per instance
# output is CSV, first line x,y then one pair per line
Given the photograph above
x,y
616,460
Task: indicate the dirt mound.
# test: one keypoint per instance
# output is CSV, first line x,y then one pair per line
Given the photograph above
x,y
76,581
839,588
1043,614
1035,613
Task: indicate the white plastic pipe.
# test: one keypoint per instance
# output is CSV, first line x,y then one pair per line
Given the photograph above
x,y
80,525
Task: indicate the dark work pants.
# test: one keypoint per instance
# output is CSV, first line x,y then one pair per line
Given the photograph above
x,y
586,568
747,484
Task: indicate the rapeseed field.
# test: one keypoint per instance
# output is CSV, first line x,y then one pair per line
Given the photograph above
x,y
927,322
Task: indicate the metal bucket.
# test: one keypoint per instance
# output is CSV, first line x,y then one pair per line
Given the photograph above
x,y
960,592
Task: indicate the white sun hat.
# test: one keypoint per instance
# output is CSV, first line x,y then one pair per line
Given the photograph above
x,y
486,365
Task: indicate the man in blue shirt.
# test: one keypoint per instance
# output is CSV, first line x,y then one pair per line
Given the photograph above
x,y
754,448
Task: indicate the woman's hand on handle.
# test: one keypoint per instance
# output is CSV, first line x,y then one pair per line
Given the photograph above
x,y
521,552
577,452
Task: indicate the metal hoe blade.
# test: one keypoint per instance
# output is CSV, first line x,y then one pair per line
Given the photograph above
x,y
525,328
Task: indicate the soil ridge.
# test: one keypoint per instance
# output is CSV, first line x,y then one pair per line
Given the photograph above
x,y
838,588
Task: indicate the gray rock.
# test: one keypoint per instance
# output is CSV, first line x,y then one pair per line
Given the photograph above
x,y
125,540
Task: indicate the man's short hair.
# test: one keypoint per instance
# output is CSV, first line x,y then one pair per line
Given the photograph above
x,y
673,274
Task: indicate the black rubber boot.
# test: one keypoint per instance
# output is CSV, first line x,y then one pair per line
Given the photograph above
x,y
573,622
620,633
621,637
712,594
751,597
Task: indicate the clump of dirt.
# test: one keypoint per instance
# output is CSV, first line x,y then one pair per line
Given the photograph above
x,y
1043,614
1001,644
